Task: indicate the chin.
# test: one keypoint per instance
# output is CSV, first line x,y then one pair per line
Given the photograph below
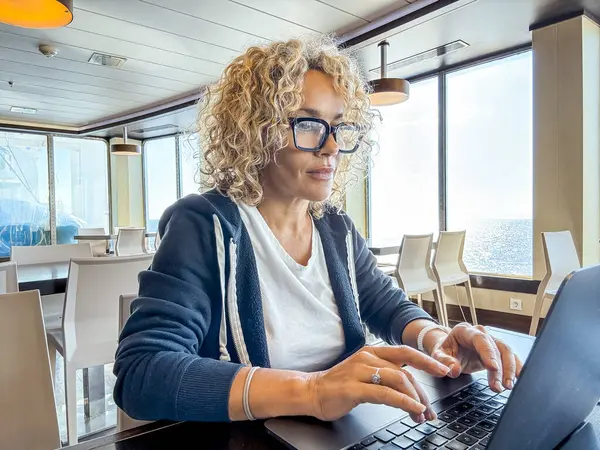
x,y
318,195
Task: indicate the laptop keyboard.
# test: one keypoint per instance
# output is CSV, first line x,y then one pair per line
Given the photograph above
x,y
465,420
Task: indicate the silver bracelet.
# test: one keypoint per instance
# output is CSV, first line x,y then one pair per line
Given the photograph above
x,y
426,330
246,394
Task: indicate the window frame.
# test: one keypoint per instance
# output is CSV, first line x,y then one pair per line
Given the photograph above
x,y
51,175
520,284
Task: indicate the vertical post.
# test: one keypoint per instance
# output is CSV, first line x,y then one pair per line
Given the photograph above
x,y
442,151
51,188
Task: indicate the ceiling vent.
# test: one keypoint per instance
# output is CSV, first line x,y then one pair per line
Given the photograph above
x,y
152,129
101,59
423,56
22,110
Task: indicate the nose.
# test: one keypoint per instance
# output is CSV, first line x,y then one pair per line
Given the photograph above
x,y
330,148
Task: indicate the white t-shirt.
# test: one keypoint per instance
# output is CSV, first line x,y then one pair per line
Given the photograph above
x,y
302,323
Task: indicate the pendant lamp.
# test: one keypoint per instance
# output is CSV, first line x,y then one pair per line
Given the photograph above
x,y
125,149
36,13
388,91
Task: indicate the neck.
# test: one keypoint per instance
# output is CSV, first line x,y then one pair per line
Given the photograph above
x,y
288,216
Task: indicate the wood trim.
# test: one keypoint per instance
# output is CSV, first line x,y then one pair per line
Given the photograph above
x,y
486,317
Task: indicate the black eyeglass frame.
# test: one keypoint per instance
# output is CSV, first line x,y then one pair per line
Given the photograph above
x,y
329,129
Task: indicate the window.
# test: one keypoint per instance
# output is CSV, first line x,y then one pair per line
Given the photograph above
x,y
404,177
24,192
189,164
489,164
160,175
81,183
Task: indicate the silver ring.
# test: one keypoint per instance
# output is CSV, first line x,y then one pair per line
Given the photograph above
x,y
376,378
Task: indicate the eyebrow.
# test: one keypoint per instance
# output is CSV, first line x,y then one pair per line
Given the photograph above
x,y
316,113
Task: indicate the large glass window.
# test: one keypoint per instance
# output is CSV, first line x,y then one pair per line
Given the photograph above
x,y
160,169
489,164
189,164
24,211
81,183
404,190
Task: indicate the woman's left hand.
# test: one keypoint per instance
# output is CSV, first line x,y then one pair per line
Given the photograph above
x,y
469,349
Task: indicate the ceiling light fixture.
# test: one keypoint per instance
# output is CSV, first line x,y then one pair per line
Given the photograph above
x,y
388,91
125,149
22,110
36,13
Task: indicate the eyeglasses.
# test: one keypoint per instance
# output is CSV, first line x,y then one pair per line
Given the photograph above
x,y
310,134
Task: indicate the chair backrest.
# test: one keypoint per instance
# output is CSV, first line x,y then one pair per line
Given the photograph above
x,y
41,254
29,420
561,257
124,422
448,258
91,232
131,241
91,312
414,258
8,278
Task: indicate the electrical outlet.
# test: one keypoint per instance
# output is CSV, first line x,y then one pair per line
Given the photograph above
x,y
516,304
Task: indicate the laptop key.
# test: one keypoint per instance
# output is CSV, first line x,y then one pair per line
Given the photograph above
x,y
468,421
505,394
477,432
398,429
487,425
455,445
472,390
446,433
485,409
478,447
402,442
446,417
437,423
500,399
384,436
467,439
461,395
424,445
356,447
368,441
489,392
494,404
389,446
485,441
409,422
458,427
436,439
481,384
477,415
415,436
426,428
477,399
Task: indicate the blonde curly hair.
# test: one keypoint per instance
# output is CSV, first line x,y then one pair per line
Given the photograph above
x,y
243,118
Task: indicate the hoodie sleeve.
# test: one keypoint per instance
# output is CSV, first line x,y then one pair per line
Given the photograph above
x,y
159,373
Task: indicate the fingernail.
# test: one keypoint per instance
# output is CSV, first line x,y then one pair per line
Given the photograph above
x,y
498,386
421,418
509,383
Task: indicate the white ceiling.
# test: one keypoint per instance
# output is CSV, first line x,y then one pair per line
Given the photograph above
x,y
173,47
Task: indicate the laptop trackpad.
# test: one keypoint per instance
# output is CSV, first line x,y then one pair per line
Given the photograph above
x,y
312,434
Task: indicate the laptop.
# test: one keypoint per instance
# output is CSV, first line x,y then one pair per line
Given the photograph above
x,y
558,388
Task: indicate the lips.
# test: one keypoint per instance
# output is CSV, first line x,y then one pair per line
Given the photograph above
x,y
322,173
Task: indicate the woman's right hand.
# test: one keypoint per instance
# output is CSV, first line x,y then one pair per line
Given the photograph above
x,y
335,392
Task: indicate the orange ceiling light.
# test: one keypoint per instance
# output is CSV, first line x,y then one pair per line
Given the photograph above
x,y
36,13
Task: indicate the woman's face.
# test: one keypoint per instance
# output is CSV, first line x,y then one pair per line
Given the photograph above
x,y
305,175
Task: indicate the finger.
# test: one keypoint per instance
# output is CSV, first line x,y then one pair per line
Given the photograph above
x,y
429,412
486,348
450,361
384,395
509,364
406,355
519,366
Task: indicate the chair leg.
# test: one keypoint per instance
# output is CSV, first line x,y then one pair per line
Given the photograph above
x,y
71,403
471,300
420,300
537,311
440,306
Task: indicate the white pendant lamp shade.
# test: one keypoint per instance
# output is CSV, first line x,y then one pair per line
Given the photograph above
x,y
388,91
125,149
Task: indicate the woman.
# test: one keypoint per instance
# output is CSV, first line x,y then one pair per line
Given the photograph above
x,y
254,304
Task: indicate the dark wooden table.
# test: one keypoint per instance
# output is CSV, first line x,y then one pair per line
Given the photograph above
x,y
48,278
247,436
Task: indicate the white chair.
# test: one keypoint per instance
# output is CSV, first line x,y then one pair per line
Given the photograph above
x,y
29,418
449,268
131,241
89,333
8,278
561,259
99,248
124,422
43,254
413,271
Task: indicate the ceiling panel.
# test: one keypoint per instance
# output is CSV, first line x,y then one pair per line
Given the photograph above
x,y
238,17
368,10
46,97
312,14
48,118
78,114
166,20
